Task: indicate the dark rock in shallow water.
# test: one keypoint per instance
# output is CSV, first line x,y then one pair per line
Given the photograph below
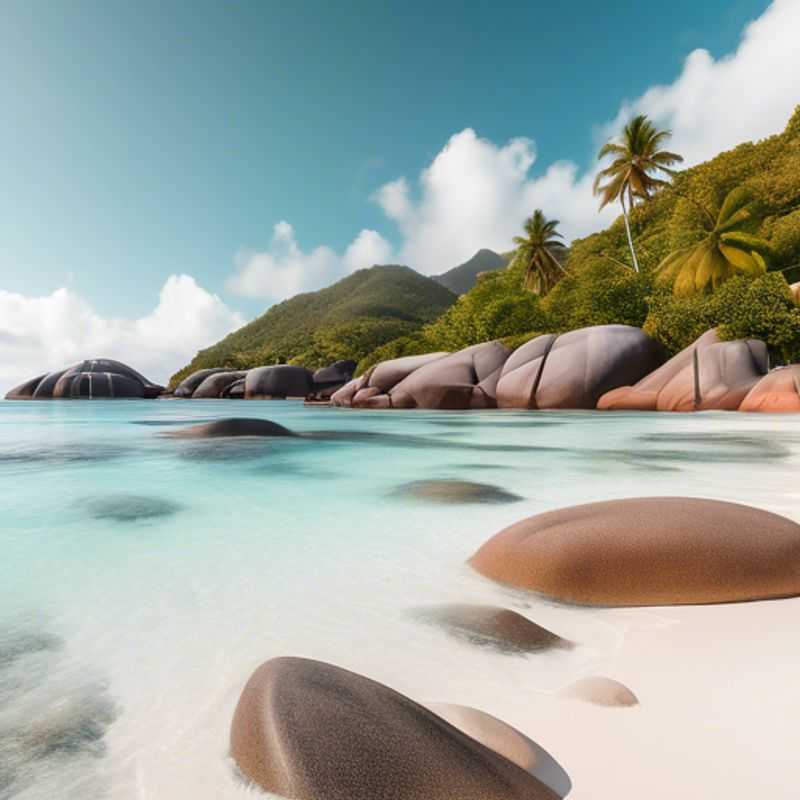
x,y
454,491
311,731
234,426
94,378
18,643
130,507
336,374
492,627
82,452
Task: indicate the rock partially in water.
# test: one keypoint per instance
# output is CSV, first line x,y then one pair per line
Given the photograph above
x,y
648,551
311,731
490,626
454,492
601,691
130,507
508,742
233,426
776,392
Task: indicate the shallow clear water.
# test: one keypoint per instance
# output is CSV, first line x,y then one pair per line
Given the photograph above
x,y
142,579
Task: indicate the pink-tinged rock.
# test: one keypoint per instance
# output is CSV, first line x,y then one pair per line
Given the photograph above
x,y
575,369
462,380
708,375
779,391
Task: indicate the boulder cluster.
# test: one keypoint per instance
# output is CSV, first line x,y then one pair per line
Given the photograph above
x,y
607,367
312,731
266,383
97,378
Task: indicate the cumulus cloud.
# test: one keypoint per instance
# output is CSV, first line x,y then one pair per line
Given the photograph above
x,y
43,333
747,95
285,269
476,193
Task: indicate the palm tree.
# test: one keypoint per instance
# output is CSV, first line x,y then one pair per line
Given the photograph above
x,y
727,249
541,252
630,175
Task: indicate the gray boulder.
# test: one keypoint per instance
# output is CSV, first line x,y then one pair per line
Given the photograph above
x,y
187,386
575,369
281,381
215,385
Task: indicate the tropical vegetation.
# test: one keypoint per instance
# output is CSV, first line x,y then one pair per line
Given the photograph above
x,y
633,172
541,251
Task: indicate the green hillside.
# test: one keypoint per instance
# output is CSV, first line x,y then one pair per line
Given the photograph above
x,y
346,320
462,278
601,287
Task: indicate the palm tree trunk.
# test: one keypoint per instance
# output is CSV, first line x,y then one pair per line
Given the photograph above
x,y
628,231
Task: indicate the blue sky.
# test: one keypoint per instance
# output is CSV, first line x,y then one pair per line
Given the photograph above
x,y
144,140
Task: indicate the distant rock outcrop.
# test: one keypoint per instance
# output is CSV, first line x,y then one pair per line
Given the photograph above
x,y
215,385
100,378
311,731
280,381
187,386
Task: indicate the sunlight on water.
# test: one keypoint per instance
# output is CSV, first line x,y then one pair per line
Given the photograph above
x,y
142,579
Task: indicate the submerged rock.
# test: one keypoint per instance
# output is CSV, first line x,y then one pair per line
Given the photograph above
x,y
130,507
508,742
489,626
601,691
454,492
648,551
233,426
311,731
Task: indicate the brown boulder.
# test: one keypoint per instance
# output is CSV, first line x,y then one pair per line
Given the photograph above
x,y
311,731
575,369
708,375
648,551
776,392
462,380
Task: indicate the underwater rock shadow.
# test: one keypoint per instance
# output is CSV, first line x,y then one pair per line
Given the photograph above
x,y
449,491
128,507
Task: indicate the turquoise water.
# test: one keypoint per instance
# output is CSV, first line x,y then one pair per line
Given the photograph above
x,y
142,578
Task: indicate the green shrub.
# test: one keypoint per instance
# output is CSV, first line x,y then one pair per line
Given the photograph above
x,y
739,309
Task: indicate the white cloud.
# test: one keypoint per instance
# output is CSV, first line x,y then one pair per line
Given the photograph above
x,y
747,95
44,333
285,269
476,193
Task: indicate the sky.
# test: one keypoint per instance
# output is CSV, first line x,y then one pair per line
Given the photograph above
x,y
171,169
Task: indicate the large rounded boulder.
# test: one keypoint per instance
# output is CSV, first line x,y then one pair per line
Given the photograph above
x,y
216,385
575,369
91,379
311,731
708,375
278,382
462,380
778,391
380,379
187,386
648,551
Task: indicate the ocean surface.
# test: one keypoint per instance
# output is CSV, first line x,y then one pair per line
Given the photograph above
x,y
142,578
